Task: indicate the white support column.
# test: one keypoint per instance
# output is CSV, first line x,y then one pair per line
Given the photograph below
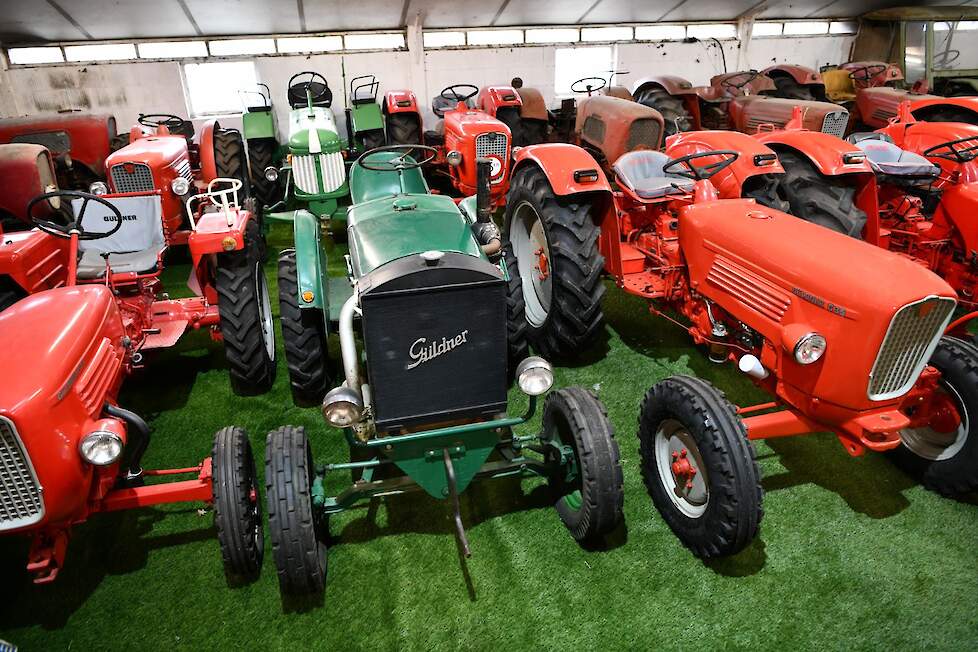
x,y
415,44
745,30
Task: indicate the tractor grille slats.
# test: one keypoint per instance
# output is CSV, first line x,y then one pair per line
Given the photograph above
x,y
750,289
330,175
20,493
132,177
835,123
912,336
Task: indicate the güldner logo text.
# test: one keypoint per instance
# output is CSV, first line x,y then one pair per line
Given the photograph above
x,y
422,351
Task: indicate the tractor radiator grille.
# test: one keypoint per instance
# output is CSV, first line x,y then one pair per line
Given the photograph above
x,y
98,376
20,493
132,177
644,132
835,123
329,176
496,145
911,338
748,288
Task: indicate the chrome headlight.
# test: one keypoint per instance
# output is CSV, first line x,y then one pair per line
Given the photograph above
x,y
342,407
534,376
454,158
271,173
180,186
810,348
101,447
99,188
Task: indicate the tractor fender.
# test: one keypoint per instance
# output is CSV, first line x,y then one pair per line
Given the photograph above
x,y
208,166
532,104
801,74
310,263
672,84
493,98
825,151
402,101
561,163
212,233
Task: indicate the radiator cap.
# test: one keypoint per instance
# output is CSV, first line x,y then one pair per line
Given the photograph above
x,y
431,257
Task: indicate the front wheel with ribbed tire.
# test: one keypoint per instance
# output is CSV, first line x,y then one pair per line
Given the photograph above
x,y
304,335
554,242
824,200
237,507
588,483
403,129
676,116
699,467
230,159
298,531
943,453
261,155
246,316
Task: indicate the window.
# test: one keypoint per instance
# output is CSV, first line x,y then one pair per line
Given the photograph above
x,y
172,49
607,34
766,29
443,39
555,35
571,64
304,44
213,87
718,30
104,52
806,28
660,32
373,41
21,56
496,37
845,27
242,46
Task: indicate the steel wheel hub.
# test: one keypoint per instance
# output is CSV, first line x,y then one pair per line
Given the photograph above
x,y
680,469
947,430
265,318
532,253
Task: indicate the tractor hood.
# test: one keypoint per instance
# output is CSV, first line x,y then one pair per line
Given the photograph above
x,y
389,228
313,131
782,275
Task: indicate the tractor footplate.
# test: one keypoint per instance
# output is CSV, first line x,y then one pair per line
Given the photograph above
x,y
463,541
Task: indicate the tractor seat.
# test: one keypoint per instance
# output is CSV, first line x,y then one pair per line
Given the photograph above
x,y
887,158
134,248
364,95
641,172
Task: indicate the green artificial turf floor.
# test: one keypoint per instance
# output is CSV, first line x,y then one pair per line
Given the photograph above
x,y
853,554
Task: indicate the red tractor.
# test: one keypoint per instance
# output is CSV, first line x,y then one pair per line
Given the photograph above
x,y
845,337
96,304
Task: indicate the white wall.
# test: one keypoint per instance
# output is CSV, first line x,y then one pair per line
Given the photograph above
x,y
126,89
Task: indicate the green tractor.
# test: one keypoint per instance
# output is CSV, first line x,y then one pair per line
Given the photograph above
x,y
364,119
423,405
264,150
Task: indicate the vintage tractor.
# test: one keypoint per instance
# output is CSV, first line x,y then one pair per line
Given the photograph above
x,y
534,117
426,285
26,171
742,101
264,149
78,143
796,82
69,449
364,119
846,337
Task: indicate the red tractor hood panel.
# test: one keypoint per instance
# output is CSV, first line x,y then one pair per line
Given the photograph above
x,y
154,151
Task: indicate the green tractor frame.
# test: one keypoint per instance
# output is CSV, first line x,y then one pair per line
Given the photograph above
x,y
364,119
428,291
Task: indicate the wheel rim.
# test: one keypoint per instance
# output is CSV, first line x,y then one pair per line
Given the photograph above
x,y
680,468
532,253
937,444
254,507
265,312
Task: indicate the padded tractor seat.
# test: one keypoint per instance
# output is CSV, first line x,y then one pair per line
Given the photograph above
x,y
641,171
887,158
134,248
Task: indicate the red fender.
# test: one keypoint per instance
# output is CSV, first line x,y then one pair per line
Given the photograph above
x,y
801,74
672,84
493,98
562,163
402,101
208,166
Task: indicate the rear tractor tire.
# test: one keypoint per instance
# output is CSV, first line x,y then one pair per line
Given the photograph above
x,y
554,246
788,88
510,116
297,530
237,505
823,200
677,118
304,335
699,466
246,316
371,140
230,159
403,129
516,326
945,455
261,155
590,490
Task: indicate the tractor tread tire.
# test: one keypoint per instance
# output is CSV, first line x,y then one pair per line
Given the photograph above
x,y
957,360
403,129
371,140
674,113
599,462
818,199
234,480
118,141
518,346
786,87
576,265
261,154
296,533
535,132
230,159
304,337
734,510
765,189
510,116
251,368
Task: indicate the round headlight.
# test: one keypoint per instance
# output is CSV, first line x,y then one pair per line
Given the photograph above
x,y
180,186
98,188
810,348
454,157
101,447
342,407
271,173
534,376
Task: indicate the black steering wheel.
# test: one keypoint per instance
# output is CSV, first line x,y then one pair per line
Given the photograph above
x,y
168,120
316,84
588,88
689,170
749,76
954,153
73,224
456,95
866,73
402,162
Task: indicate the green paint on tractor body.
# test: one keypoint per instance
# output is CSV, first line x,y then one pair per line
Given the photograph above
x,y
258,124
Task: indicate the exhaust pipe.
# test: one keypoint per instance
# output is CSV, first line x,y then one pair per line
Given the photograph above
x,y
484,228
138,430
